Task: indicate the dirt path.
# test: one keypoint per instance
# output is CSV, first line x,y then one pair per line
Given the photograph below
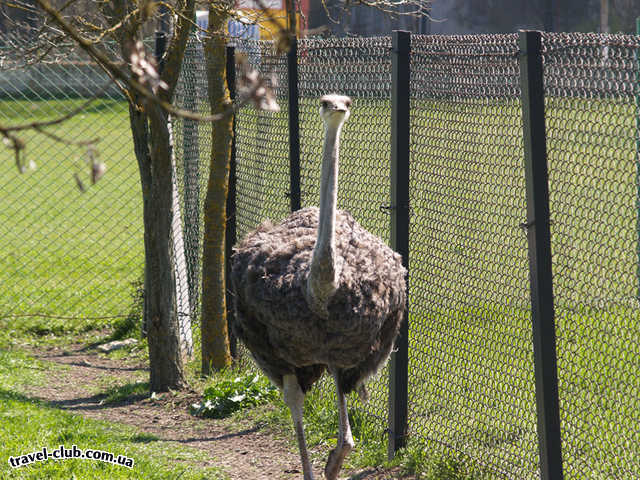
x,y
243,451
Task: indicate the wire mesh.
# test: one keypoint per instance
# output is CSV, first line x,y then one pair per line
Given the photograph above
x,y
360,68
192,149
592,90
261,150
471,363
66,256
471,384
262,145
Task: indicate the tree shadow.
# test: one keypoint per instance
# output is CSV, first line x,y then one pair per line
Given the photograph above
x,y
226,436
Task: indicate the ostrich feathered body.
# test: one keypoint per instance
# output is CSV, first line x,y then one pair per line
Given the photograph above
x,y
270,268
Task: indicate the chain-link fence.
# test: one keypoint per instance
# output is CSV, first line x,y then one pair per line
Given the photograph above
x,y
66,255
471,357
592,92
472,386
262,144
192,147
74,260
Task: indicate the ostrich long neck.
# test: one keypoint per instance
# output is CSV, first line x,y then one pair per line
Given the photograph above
x,y
323,250
323,276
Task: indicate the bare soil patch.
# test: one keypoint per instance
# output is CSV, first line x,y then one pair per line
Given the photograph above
x,y
243,450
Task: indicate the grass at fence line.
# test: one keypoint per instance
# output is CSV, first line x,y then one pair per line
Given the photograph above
x,y
27,425
66,253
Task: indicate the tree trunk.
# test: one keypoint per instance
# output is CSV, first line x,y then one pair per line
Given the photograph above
x,y
153,150
153,153
215,337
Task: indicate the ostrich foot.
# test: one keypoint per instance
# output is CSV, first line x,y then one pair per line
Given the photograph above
x,y
336,458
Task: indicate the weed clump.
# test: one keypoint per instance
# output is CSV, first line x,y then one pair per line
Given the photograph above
x,y
228,396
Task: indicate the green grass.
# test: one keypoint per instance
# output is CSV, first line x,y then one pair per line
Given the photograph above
x,y
126,392
225,396
28,425
472,399
320,420
67,253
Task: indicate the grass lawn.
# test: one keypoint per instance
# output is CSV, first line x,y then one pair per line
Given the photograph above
x,y
66,253
472,399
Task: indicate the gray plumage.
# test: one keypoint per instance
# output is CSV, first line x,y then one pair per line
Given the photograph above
x,y
318,292
273,317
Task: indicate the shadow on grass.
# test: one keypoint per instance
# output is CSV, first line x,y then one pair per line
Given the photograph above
x,y
113,397
144,438
65,435
129,393
9,395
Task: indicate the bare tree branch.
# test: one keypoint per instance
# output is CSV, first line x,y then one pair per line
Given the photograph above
x,y
255,87
55,121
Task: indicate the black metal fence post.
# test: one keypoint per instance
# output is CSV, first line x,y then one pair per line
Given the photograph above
x,y
399,365
230,232
539,240
294,126
162,35
638,169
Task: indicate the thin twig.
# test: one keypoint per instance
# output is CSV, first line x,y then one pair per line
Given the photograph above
x,y
47,123
76,143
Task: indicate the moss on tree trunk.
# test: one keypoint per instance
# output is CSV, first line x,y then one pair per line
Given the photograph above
x,y
215,338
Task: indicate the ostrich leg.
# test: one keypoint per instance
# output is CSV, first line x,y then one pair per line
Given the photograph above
x,y
345,439
294,398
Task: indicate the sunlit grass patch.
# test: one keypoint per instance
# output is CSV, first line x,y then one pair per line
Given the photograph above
x,y
28,425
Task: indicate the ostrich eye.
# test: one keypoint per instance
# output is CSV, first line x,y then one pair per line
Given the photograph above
x,y
325,104
348,103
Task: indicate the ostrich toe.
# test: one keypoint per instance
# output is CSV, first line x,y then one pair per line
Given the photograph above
x,y
336,458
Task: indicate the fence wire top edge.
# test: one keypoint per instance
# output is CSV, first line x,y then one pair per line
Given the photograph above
x,y
557,41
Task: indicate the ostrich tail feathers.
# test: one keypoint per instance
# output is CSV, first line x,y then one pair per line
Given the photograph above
x,y
363,393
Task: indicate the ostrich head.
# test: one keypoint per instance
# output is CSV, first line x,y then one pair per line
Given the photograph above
x,y
334,110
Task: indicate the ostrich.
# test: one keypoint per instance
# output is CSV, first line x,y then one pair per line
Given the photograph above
x,y
318,292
